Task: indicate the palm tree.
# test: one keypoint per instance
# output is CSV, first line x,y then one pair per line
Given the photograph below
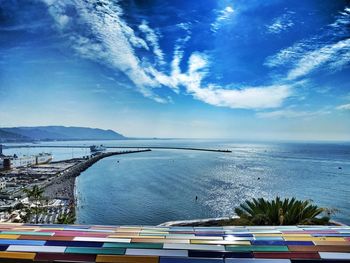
x,y
36,195
281,212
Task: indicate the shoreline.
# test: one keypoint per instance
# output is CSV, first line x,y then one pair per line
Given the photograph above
x,y
63,186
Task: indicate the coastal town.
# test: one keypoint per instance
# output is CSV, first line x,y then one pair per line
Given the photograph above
x,y
55,180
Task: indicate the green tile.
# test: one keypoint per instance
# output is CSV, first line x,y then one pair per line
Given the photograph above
x,y
31,233
134,245
257,248
93,250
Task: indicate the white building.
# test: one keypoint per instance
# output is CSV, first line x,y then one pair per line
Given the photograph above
x,y
2,185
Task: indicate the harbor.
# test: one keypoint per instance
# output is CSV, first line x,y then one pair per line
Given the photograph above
x,y
56,179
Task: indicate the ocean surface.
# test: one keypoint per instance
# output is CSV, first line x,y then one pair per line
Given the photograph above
x,y
161,185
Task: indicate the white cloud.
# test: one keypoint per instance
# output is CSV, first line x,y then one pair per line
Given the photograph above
x,y
280,24
344,107
223,15
290,113
108,39
317,52
331,54
153,38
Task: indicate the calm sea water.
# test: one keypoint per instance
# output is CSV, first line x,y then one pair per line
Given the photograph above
x,y
158,186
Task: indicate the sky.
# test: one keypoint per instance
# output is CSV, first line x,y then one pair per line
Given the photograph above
x,y
243,69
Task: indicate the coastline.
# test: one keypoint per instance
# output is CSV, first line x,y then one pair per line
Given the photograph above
x,y
63,185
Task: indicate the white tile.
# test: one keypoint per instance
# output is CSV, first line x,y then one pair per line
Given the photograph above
x,y
102,239
195,247
156,252
331,255
51,249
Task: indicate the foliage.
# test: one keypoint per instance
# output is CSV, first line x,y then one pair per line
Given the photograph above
x,y
281,212
36,196
66,219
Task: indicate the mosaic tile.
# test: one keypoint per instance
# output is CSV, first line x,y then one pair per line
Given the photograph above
x,y
190,260
156,252
134,245
63,257
195,247
218,254
20,248
95,250
152,244
257,248
256,260
126,259
336,256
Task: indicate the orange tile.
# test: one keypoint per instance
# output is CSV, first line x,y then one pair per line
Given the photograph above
x,y
17,255
9,236
322,248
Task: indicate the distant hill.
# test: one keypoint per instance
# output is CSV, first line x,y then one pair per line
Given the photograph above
x,y
6,136
59,133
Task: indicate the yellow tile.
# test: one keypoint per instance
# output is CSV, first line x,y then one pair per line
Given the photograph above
x,y
9,236
17,255
296,235
126,259
219,242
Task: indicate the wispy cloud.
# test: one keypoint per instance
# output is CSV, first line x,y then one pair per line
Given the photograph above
x,y
329,50
153,38
344,107
291,113
104,36
281,23
223,15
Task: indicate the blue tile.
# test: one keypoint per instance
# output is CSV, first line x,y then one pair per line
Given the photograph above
x,y
332,235
3,247
281,243
268,242
189,260
217,254
22,242
73,243
299,243
243,235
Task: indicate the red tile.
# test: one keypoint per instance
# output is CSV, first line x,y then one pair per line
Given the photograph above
x,y
288,255
64,257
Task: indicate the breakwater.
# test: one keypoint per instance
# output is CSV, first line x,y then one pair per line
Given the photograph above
x,y
62,185
120,147
82,166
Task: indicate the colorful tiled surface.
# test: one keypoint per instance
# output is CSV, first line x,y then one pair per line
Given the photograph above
x,y
152,244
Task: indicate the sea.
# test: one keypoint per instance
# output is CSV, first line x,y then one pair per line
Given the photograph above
x,y
151,188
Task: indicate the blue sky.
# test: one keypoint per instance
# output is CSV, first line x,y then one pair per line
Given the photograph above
x,y
204,69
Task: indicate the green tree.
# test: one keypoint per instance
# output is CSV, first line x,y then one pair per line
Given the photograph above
x,y
66,219
36,196
282,212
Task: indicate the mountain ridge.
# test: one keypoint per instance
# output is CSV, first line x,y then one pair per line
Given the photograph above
x,y
56,133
